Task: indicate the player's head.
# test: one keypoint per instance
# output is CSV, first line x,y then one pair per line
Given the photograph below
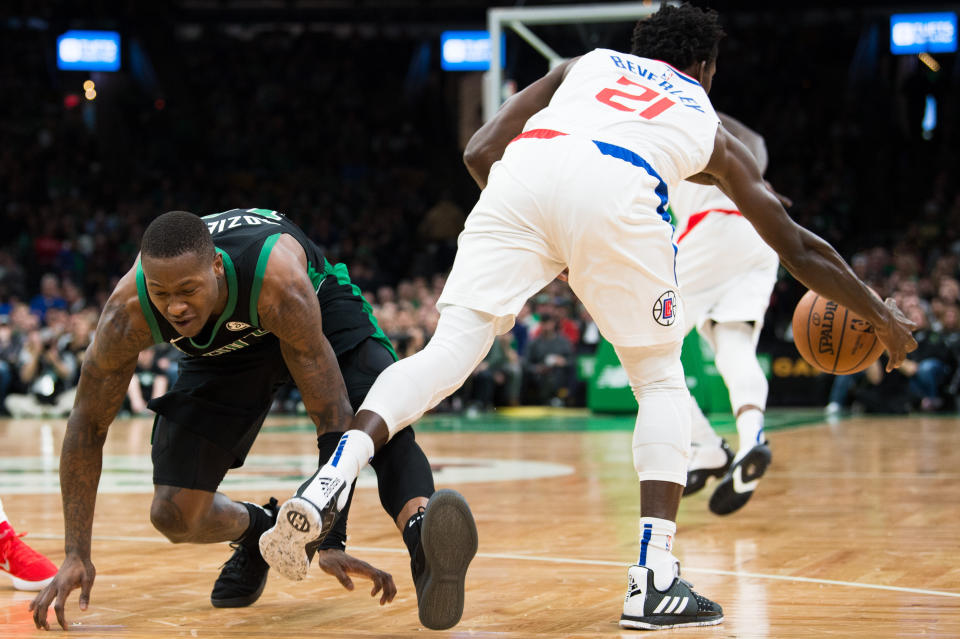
x,y
685,37
182,270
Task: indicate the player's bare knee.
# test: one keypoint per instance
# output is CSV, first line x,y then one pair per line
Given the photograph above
x,y
170,521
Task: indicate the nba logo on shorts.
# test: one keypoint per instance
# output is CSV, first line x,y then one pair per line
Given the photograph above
x,y
665,309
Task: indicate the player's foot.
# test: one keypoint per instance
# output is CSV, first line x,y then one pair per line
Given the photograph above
x,y
706,462
448,541
300,522
243,577
28,569
737,486
679,606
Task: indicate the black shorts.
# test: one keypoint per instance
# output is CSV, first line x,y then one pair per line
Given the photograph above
x,y
208,421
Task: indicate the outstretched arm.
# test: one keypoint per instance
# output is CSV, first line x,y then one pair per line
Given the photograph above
x,y
807,256
121,334
289,309
486,146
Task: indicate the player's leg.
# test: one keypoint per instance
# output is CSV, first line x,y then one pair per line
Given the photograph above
x,y
735,344
656,597
187,508
501,260
28,569
206,425
710,456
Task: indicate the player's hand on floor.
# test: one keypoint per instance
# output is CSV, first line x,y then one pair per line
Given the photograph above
x,y
896,334
341,565
74,572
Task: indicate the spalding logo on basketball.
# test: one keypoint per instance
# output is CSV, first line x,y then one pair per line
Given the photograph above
x,y
832,338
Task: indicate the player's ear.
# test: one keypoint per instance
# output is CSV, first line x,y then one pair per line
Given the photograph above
x,y
218,264
701,71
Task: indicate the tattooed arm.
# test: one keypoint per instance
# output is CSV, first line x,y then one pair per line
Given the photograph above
x,y
289,309
112,357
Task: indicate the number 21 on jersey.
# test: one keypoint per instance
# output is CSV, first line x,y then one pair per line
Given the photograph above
x,y
610,97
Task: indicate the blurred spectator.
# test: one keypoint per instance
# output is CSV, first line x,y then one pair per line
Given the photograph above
x,y
497,380
48,297
47,373
149,381
549,366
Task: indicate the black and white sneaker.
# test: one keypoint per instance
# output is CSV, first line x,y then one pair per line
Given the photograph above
x,y
448,542
679,606
300,522
244,575
737,486
707,462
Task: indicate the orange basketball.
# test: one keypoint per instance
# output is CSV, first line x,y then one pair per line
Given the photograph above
x,y
833,338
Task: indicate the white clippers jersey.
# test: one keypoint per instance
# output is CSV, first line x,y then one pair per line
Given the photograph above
x,y
637,103
688,199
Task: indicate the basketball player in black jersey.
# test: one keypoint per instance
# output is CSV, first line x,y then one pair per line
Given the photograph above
x,y
252,303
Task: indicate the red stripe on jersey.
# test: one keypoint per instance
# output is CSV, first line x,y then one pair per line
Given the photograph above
x,y
696,218
543,134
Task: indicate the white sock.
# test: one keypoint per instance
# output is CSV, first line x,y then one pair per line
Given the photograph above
x,y
750,429
3,515
354,451
656,542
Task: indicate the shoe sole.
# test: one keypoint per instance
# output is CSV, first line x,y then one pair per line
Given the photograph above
x,y
284,545
697,478
241,602
29,586
665,622
448,538
737,486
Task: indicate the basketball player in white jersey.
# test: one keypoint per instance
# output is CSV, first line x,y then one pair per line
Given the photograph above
x,y
726,273
597,144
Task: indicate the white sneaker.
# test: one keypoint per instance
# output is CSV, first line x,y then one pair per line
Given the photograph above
x,y
300,522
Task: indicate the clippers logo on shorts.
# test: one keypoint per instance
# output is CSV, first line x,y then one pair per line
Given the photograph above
x,y
237,326
665,309
298,521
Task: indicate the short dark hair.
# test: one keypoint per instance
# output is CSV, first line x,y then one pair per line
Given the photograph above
x,y
679,35
175,233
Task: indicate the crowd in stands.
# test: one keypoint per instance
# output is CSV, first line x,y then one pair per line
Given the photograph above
x,y
362,150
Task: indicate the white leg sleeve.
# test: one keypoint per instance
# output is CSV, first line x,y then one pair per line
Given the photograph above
x,y
407,389
736,359
661,437
701,432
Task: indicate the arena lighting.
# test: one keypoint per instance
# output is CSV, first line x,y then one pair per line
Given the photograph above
x,y
88,51
930,61
923,33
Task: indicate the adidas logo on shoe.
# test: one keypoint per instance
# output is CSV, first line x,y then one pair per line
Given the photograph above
x,y
646,608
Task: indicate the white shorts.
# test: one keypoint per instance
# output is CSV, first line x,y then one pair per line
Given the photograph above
x,y
726,272
561,202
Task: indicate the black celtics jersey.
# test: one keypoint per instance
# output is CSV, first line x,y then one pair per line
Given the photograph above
x,y
244,239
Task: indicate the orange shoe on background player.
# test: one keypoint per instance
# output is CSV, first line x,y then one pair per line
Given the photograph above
x,y
28,569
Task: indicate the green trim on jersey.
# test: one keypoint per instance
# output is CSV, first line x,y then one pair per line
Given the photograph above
x,y
267,213
258,275
343,278
231,299
145,306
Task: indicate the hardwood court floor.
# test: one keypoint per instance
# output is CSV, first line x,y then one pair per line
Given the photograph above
x,y
855,532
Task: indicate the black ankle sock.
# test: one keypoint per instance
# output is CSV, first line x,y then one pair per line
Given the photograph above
x,y
259,523
411,532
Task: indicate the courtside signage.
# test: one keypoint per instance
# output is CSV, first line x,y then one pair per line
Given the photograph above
x,y
923,33
89,51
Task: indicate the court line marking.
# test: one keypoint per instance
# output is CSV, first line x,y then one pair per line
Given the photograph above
x,y
594,562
